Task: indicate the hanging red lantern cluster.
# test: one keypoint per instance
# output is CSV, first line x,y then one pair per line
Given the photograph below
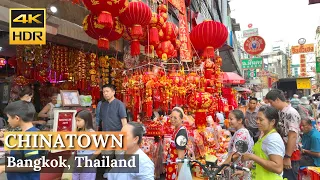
x,y
136,16
208,36
106,10
165,50
200,102
102,33
168,37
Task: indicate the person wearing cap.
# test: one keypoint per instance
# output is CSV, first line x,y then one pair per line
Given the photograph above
x,y
305,107
178,144
295,101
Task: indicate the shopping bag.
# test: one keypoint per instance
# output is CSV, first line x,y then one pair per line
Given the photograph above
x,y
185,172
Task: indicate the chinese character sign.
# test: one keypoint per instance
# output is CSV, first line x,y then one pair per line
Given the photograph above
x,y
254,45
303,65
185,49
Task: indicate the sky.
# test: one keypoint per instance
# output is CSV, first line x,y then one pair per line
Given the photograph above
x,y
287,20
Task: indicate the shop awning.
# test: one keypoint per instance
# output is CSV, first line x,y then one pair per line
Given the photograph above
x,y
232,78
242,89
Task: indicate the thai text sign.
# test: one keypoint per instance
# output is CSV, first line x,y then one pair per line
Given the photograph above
x,y
253,63
185,49
306,48
303,83
250,32
318,64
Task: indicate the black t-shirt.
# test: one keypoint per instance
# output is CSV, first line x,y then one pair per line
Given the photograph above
x,y
181,139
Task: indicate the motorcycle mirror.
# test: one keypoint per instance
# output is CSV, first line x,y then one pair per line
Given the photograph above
x,y
241,146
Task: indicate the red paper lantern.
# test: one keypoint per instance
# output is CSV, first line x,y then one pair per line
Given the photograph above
x,y
169,32
165,50
102,33
208,36
137,15
200,102
105,9
12,62
155,25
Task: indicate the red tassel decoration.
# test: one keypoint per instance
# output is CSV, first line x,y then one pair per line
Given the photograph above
x,y
154,35
208,52
135,47
103,43
105,18
200,118
136,30
148,109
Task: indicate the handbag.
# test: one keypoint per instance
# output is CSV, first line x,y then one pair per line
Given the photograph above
x,y
185,172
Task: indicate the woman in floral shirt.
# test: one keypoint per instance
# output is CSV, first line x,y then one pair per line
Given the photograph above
x,y
236,118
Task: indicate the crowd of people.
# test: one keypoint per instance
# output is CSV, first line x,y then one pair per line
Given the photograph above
x,y
280,135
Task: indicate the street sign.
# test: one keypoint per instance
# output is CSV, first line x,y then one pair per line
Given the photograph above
x,y
252,73
250,32
318,64
253,63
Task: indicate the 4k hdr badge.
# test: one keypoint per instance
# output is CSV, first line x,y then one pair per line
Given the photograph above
x,y
27,26
254,45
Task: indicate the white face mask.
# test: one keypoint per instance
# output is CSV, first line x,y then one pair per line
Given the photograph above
x,y
29,99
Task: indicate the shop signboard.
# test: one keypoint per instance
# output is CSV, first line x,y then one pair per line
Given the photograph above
x,y
303,83
317,64
250,32
253,63
185,48
254,45
305,48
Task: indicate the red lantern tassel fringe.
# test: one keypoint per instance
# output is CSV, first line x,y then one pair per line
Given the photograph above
x,y
148,109
135,48
105,18
103,43
200,119
154,35
208,52
136,30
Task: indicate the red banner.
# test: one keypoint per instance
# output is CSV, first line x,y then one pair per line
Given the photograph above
x,y
179,4
185,49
